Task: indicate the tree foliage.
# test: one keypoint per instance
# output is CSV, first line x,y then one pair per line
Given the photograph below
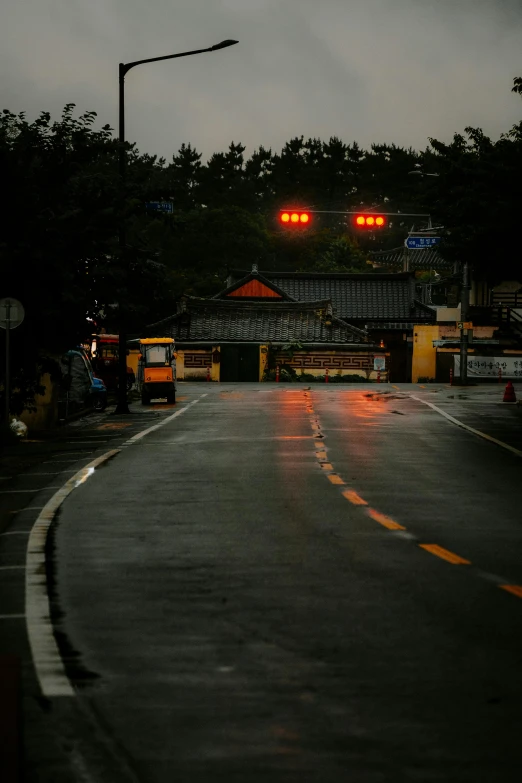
x,y
66,208
477,198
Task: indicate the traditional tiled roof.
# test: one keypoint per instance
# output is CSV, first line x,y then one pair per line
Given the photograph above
x,y
356,297
417,259
221,320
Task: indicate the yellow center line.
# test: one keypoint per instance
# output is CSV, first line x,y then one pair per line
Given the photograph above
x,y
334,478
394,387
326,466
514,589
320,454
354,498
445,554
421,386
382,519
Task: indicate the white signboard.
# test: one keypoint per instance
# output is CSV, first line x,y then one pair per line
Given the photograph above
x,y
379,363
488,366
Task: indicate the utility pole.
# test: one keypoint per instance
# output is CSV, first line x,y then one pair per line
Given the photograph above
x,y
464,316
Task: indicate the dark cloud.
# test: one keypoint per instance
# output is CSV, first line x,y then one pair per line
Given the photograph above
x,y
379,70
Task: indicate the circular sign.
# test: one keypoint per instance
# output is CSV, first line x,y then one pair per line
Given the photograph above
x,y
11,313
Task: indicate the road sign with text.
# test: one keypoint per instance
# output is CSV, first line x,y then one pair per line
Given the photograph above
x,y
160,206
421,243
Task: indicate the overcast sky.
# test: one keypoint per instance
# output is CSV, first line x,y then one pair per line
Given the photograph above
x,y
367,70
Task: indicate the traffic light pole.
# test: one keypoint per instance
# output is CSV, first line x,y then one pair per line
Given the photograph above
x,y
464,314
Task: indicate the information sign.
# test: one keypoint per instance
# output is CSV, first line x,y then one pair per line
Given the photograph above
x,y
160,206
421,243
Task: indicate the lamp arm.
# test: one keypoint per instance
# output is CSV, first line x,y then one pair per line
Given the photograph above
x,y
125,67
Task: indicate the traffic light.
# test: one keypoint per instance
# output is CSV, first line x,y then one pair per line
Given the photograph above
x,y
295,218
370,221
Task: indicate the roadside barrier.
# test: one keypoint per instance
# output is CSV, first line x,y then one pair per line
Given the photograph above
x,y
451,376
277,373
509,393
378,376
327,375
208,373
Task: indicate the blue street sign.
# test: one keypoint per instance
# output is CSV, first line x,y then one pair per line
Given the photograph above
x,y
160,206
420,243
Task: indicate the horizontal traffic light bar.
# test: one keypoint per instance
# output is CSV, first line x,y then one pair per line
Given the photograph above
x,y
351,212
293,217
370,221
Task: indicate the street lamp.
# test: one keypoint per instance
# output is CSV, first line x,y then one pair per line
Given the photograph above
x,y
122,406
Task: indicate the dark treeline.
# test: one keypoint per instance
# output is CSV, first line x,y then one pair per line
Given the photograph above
x,y
65,207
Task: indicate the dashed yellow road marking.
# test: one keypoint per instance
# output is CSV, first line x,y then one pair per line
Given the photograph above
x,y
326,465
382,519
320,454
113,426
514,589
421,386
395,387
445,554
354,498
335,479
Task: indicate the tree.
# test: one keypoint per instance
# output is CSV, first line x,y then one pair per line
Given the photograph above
x,y
477,198
205,243
59,247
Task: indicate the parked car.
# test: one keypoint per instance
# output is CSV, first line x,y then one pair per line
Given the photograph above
x,y
98,394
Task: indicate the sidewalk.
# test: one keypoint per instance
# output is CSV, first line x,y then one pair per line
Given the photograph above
x,y
20,456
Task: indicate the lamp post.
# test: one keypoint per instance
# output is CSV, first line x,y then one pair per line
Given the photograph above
x,y
124,68
464,315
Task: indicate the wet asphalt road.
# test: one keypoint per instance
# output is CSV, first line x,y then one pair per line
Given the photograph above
x,y
288,585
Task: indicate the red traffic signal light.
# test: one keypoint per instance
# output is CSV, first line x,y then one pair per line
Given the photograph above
x,y
370,221
289,217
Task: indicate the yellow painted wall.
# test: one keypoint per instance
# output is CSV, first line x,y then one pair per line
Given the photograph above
x,y
46,414
337,357
424,361
216,366
180,365
132,359
263,359
195,373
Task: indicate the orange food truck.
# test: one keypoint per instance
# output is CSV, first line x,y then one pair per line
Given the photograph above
x,y
156,373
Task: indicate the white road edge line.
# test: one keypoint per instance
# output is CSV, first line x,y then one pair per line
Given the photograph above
x,y
469,429
162,423
48,664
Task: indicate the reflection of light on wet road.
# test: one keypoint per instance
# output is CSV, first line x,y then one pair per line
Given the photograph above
x,y
86,473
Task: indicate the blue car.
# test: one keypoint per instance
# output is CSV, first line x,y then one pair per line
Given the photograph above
x,y
98,394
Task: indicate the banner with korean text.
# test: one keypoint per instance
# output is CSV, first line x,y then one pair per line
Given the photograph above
x,y
488,366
